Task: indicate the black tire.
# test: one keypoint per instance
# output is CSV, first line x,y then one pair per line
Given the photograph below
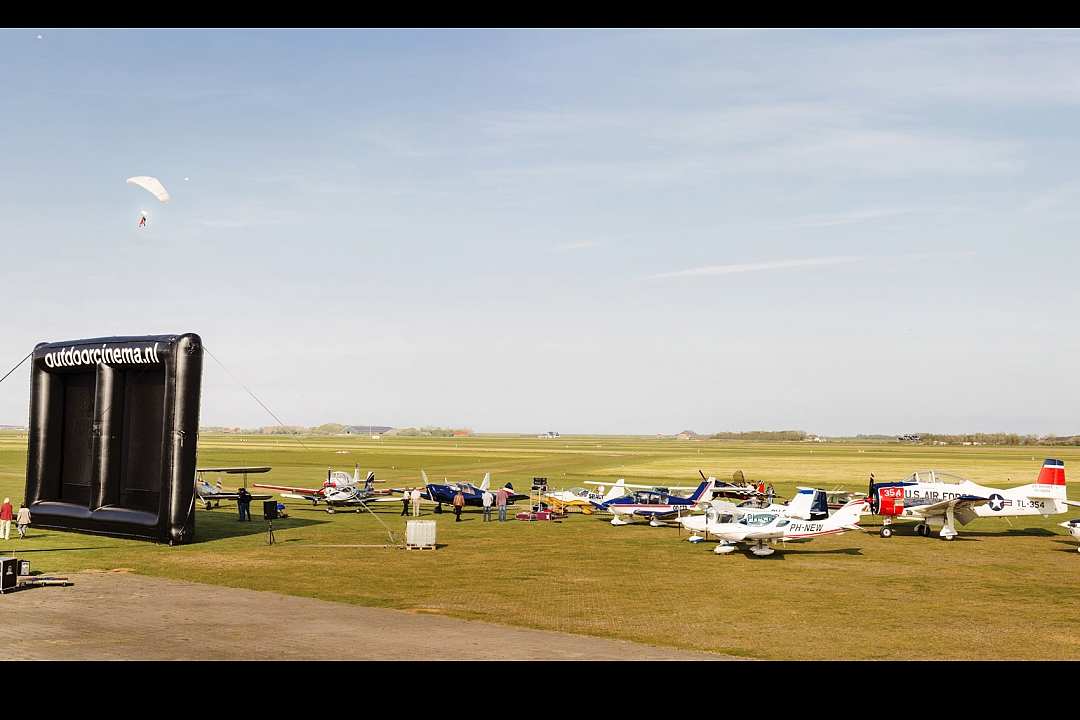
x,y
886,532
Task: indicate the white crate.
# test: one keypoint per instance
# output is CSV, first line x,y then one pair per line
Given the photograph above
x,y
420,532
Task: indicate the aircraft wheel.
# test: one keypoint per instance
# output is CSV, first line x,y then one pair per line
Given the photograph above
x,y
358,511
886,532
948,537
330,509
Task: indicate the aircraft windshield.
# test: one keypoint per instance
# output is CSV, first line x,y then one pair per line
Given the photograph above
x,y
757,519
934,476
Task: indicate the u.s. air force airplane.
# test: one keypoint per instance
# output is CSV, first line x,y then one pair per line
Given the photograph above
x,y
757,527
938,498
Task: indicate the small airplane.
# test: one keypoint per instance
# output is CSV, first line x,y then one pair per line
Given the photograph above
x,y
583,497
808,504
1073,526
938,498
757,527
473,495
338,490
657,506
212,495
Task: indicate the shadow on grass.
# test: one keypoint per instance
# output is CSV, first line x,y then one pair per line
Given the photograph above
x,y
1011,532
233,528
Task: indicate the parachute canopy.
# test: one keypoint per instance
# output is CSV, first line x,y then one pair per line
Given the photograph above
x,y
153,185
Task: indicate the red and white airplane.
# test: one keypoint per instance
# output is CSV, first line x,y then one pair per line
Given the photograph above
x,y
936,499
338,490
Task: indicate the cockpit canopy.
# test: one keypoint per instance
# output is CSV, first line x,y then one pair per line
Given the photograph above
x,y
935,476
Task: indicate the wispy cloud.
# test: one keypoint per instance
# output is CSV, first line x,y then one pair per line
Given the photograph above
x,y
803,262
848,218
577,245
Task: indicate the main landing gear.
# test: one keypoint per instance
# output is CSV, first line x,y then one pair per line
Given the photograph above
x,y
761,549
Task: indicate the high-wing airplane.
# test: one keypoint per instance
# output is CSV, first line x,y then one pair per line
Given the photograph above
x,y
338,490
938,498
212,495
654,505
473,495
757,527
583,498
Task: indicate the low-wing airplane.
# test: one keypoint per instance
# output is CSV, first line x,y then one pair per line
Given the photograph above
x,y
938,498
583,498
757,527
338,490
657,506
808,504
473,495
212,495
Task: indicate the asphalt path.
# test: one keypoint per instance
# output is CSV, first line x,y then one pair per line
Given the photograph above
x,y
121,616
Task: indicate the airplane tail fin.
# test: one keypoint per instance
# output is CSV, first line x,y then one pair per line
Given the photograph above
x,y
848,516
356,474
703,493
1052,473
370,483
617,490
810,504
486,482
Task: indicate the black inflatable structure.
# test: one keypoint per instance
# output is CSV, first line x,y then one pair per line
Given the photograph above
x,y
114,426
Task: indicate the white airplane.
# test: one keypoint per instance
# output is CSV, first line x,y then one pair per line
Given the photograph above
x,y
338,490
1073,526
938,498
583,497
808,504
758,527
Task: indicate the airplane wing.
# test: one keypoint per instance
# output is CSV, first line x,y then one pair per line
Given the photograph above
x,y
960,506
232,496
235,470
307,491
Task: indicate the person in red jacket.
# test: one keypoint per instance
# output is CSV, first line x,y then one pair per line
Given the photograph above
x,y
7,514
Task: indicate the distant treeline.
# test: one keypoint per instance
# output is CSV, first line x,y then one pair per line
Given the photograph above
x,y
759,435
1000,439
429,431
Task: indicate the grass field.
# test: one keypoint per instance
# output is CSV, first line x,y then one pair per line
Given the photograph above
x,y
998,591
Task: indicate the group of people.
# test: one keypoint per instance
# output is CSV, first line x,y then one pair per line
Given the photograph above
x,y
410,497
499,499
7,514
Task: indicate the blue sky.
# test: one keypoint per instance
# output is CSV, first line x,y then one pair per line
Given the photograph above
x,y
609,232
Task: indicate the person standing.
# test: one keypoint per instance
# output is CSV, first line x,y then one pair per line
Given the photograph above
x,y
500,501
405,496
459,503
243,504
23,520
770,494
487,506
7,514
416,502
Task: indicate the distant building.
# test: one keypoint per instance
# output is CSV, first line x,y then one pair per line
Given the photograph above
x,y
687,435
366,430
910,437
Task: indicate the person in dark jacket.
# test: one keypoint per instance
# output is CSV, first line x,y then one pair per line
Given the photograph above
x,y
459,502
243,504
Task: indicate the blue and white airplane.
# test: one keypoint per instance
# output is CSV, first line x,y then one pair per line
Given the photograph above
x,y
473,495
657,506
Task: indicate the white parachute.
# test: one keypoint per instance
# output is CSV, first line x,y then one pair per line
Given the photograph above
x,y
153,185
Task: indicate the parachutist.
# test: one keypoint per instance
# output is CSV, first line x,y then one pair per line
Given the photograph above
x,y
142,221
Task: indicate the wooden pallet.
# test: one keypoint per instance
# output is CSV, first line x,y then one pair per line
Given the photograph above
x,y
419,547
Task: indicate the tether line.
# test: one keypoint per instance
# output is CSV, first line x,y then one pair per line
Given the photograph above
x,y
16,367
253,396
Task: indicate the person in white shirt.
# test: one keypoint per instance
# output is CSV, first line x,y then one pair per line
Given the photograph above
x,y
415,497
487,506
